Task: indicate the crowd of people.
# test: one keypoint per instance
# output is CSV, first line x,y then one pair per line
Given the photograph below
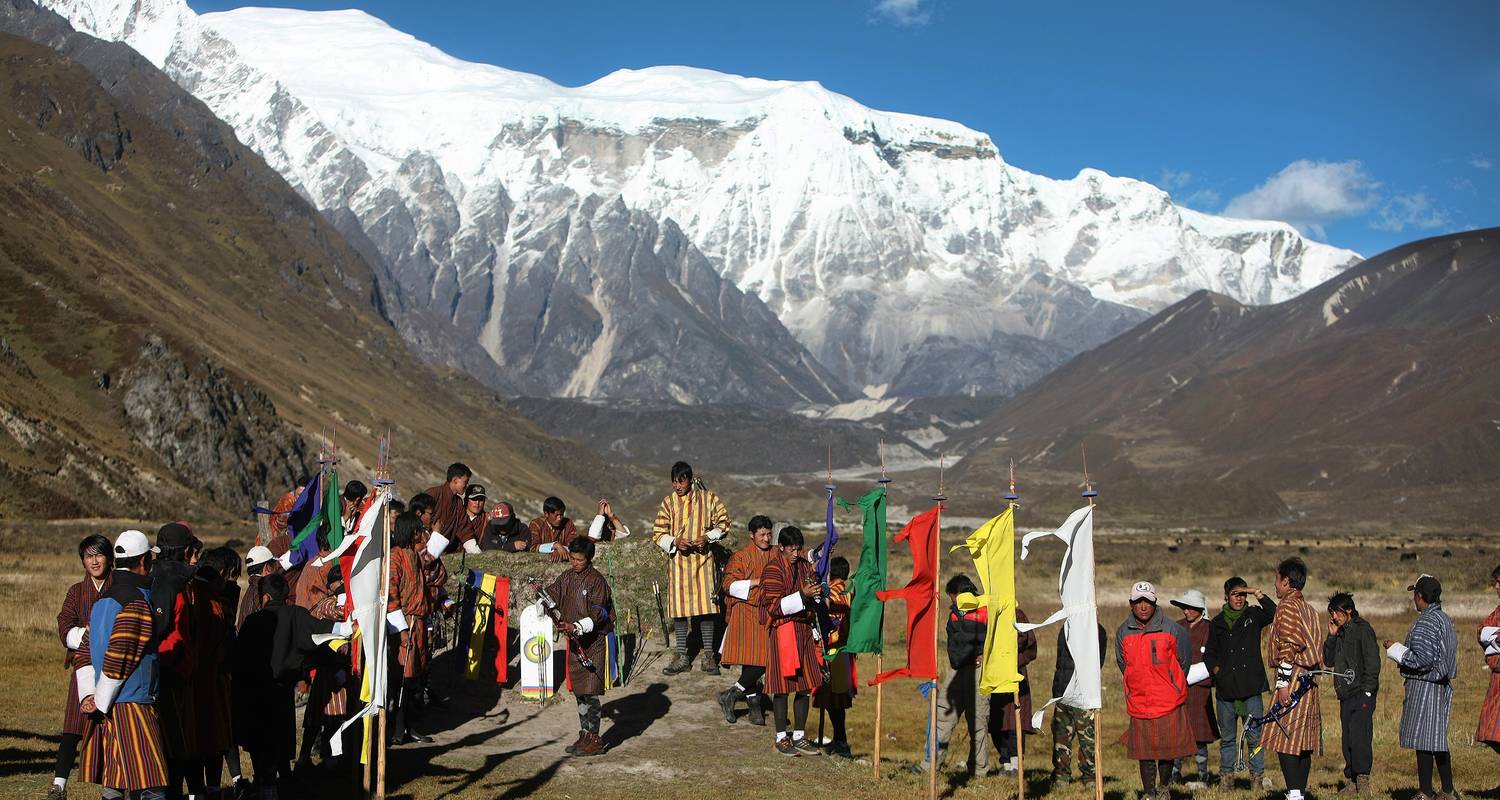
x,y
175,671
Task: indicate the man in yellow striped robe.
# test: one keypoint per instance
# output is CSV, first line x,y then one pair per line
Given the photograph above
x,y
688,524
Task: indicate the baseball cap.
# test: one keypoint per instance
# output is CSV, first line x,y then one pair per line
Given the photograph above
x,y
474,492
132,543
1428,585
503,510
258,555
173,534
1191,598
1143,589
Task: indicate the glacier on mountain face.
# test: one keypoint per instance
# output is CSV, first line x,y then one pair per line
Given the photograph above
x,y
897,249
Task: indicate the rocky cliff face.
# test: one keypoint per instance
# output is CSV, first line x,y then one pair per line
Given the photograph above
x,y
211,431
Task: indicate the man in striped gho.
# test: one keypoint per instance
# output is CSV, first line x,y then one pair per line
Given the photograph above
x,y
122,745
1429,663
1296,647
689,523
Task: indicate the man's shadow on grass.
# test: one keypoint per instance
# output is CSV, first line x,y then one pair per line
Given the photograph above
x,y
632,715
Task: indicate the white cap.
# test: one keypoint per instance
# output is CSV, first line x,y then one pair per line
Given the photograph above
x,y
1191,598
258,555
1143,589
133,543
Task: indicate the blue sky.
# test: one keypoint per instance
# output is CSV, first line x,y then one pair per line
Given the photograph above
x,y
1365,124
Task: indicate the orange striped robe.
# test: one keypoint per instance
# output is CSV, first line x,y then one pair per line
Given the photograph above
x,y
123,748
745,636
1296,637
408,592
782,577
840,689
1489,712
690,576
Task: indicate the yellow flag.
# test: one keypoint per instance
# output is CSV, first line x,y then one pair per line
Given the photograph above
x,y
482,608
993,548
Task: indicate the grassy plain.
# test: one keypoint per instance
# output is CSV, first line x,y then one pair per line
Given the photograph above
x,y
669,740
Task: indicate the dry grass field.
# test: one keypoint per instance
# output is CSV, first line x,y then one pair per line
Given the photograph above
x,y
669,740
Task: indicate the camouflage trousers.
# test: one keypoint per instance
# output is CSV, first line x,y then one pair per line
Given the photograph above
x,y
1069,723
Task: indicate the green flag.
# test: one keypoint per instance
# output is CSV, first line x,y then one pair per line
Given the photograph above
x,y
333,509
866,612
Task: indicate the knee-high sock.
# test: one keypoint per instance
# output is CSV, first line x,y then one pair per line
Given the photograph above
x,y
1444,762
1164,772
1295,769
1148,776
680,628
706,631
778,711
840,734
799,710
67,753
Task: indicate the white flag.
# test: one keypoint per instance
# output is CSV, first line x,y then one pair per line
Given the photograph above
x,y
1079,613
367,585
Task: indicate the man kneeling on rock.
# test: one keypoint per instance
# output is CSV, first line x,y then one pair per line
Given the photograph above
x,y
580,602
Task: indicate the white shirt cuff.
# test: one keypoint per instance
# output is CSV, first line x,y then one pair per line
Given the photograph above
x,y
341,599
85,681
596,528
792,604
105,690
1489,635
546,547
396,620
286,561
1396,651
471,547
1197,673
585,625
75,638
666,544
714,534
436,544
740,590
342,630
622,531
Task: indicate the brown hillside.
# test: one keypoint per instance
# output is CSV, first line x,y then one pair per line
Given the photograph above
x,y
181,331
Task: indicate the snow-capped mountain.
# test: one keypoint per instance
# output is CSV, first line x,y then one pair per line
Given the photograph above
x,y
902,251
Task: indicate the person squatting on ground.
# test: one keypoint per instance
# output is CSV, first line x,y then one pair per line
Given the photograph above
x,y
836,695
585,612
97,556
959,697
266,661
746,637
1429,662
688,524
1352,650
794,668
1071,724
1233,658
1488,635
1153,653
1296,648
1200,702
122,744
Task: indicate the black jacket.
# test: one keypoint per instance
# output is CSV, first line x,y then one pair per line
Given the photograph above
x,y
966,636
1355,648
1233,656
1064,671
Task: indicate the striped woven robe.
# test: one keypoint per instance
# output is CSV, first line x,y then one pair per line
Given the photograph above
x,y
690,574
1297,638
783,577
1489,712
408,592
122,748
1429,666
745,636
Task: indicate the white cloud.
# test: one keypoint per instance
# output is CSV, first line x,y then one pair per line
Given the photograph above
x,y
909,13
1174,179
1480,162
1202,199
1309,195
1463,185
1410,211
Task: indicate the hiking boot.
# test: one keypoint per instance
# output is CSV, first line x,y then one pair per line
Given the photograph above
x,y
590,744
1348,789
786,747
1162,793
680,664
727,699
1260,779
57,793
708,664
806,747
1447,795
572,748
1061,777
839,750
757,714
1362,785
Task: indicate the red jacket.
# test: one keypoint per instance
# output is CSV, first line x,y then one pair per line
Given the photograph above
x,y
1154,658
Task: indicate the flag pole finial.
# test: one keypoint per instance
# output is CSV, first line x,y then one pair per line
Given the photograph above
x,y
940,495
883,478
1088,486
1012,497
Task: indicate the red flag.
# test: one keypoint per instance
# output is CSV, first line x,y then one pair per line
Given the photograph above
x,y
501,614
921,600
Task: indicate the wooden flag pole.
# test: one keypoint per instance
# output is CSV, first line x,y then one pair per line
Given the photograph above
x,y
880,657
1089,494
1011,498
383,482
937,580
